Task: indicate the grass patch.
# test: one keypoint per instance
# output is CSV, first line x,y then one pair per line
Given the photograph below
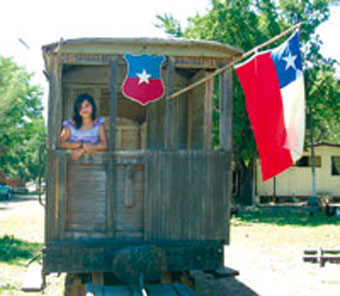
x,y
14,250
283,217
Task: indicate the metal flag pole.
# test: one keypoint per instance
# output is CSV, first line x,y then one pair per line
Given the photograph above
x,y
233,62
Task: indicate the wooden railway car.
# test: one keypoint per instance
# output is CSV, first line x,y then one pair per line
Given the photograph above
x,y
160,183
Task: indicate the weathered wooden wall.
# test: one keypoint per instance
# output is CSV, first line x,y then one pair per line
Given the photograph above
x,y
178,195
130,201
186,195
85,198
190,124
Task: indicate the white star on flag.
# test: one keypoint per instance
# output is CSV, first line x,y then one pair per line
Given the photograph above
x,y
143,77
290,60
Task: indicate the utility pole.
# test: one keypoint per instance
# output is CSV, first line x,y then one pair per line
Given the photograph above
x,y
312,153
313,201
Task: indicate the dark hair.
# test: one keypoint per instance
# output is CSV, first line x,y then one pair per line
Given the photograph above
x,y
77,105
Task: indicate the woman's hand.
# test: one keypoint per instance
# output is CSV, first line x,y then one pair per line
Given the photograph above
x,y
75,145
88,148
77,153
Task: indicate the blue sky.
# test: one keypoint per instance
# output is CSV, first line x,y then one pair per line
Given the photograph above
x,y
39,22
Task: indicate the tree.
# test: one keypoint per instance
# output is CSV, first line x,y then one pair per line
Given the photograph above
x,y
22,129
246,24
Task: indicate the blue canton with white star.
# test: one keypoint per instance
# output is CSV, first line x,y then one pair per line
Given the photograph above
x,y
287,60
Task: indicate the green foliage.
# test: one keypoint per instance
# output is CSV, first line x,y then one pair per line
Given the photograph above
x,y
13,250
249,23
170,25
22,128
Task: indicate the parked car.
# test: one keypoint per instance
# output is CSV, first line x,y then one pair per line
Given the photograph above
x,y
20,189
6,190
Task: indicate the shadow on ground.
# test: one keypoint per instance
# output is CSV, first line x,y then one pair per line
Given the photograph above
x,y
222,287
18,198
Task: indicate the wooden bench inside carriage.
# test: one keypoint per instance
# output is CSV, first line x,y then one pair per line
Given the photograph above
x,y
160,182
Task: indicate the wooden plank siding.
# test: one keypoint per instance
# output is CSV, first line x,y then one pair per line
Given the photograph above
x,y
86,198
186,195
130,201
160,194
196,113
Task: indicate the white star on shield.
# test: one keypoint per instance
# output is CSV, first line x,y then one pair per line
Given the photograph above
x,y
143,77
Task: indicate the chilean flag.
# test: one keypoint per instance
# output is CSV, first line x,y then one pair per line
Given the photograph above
x,y
273,84
143,82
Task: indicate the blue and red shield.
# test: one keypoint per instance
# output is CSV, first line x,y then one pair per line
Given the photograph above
x,y
143,82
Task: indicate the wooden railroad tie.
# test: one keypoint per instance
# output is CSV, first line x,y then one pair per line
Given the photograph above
x,y
321,256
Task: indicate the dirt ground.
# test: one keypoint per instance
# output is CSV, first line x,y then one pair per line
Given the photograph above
x,y
263,271
265,275
269,260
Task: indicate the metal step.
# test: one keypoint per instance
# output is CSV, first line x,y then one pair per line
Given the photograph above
x,y
33,280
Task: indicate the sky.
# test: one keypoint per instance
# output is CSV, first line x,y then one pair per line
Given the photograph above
x,y
40,22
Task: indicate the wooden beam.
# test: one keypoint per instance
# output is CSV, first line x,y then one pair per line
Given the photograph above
x,y
226,110
208,107
54,103
189,118
169,127
113,103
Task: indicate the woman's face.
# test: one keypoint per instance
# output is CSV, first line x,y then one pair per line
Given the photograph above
x,y
85,110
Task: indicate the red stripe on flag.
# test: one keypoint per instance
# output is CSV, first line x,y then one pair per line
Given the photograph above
x,y
265,110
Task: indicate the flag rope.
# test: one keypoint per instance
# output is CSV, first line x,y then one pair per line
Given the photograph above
x,y
234,61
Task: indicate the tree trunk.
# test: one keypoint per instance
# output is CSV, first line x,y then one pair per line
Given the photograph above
x,y
246,179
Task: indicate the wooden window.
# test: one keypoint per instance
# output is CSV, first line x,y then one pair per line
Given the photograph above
x,y
306,161
335,165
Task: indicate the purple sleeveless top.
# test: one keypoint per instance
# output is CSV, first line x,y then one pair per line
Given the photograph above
x,y
90,136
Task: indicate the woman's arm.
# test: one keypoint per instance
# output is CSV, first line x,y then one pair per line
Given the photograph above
x,y
63,140
102,145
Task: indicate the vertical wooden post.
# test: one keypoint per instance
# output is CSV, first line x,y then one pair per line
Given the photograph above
x,y
208,106
189,118
55,103
113,103
62,195
226,134
51,102
50,169
111,167
54,128
226,110
169,127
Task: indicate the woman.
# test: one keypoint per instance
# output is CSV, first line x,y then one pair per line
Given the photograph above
x,y
84,133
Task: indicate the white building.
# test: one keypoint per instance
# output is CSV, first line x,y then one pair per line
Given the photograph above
x,y
297,180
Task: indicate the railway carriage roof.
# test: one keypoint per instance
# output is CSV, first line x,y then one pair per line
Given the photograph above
x,y
165,46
